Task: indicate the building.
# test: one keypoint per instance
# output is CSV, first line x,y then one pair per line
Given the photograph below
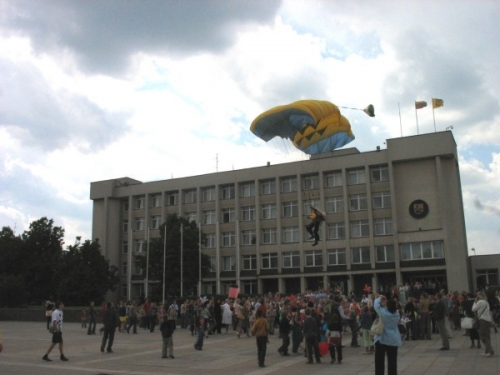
x,y
394,215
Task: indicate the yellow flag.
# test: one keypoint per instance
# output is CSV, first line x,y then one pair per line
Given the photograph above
x,y
436,103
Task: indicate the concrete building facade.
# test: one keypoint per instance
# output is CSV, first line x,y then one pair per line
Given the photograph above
x,y
392,216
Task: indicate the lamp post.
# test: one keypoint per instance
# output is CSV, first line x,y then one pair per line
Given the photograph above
x,y
474,251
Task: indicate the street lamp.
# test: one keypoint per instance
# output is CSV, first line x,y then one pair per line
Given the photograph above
x,y
474,251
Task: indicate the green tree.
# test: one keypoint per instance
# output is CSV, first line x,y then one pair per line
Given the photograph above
x,y
190,258
11,254
42,250
84,274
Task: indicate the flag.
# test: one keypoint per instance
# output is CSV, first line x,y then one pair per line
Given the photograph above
x,y
436,103
419,105
233,292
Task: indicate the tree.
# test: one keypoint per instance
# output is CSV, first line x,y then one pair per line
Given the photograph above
x,y
84,274
42,251
190,258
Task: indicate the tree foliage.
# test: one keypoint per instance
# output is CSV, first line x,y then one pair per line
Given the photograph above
x,y
171,249
34,267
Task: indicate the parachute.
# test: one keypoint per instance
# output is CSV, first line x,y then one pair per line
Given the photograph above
x,y
314,126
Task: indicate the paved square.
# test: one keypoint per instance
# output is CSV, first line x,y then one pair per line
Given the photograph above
x,y
26,342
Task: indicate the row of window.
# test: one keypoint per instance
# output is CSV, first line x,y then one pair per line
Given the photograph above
x,y
357,202
334,257
247,189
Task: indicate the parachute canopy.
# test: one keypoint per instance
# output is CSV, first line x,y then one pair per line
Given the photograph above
x,y
314,126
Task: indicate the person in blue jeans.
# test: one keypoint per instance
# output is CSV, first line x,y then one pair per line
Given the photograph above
x,y
201,327
388,342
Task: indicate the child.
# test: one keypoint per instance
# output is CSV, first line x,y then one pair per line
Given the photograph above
x,y
366,321
167,328
84,318
200,326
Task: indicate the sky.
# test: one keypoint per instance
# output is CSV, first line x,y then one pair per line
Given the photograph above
x,y
95,90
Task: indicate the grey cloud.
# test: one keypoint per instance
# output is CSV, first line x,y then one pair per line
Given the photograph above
x,y
45,119
480,206
103,34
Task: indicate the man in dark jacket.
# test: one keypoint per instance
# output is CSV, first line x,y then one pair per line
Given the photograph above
x,y
285,334
111,320
440,314
311,333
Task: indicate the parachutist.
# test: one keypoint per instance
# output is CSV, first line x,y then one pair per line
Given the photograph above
x,y
313,227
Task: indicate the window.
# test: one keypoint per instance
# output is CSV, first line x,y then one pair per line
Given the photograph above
x,y
139,202
336,231
139,223
269,261
228,239
310,182
213,264
336,257
156,200
356,176
334,205
288,184
269,211
290,209
172,199
311,202
422,250
380,173
247,189
250,287
268,187
383,227
385,253
228,215
139,246
209,217
249,262
248,237
137,290
248,213
191,216
125,206
333,179
290,234
269,236
209,240
124,268
360,255
208,194
486,277
125,247
382,200
210,287
360,228
291,259
357,202
190,196
155,221
125,225
228,263
124,291
227,192
137,268
225,285
314,258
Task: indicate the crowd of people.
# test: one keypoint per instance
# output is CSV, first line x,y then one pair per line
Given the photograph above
x,y
312,324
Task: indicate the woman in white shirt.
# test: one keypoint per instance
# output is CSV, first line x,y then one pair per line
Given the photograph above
x,y
482,309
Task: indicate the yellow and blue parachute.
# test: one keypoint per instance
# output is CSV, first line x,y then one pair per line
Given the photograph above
x,y
314,126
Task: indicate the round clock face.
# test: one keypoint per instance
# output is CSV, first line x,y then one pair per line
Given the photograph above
x,y
419,209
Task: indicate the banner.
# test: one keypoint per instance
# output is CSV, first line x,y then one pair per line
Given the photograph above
x,y
233,292
421,104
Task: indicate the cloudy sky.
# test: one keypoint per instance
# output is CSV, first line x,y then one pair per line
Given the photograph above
x,y
94,90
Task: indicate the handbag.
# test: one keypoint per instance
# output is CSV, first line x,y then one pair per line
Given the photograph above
x,y
377,326
467,322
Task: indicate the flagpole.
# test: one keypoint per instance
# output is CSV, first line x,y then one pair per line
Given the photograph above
x,y
400,123
147,267
433,118
199,260
182,245
164,258
416,116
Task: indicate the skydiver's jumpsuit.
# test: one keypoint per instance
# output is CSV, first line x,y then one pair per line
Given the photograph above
x,y
316,219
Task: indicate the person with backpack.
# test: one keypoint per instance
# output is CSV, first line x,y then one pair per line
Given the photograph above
x,y
334,335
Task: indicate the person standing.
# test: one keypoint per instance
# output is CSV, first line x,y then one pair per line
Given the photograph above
x,y
92,322
440,313
227,315
311,333
425,317
132,318
57,324
218,315
285,327
390,339
49,308
200,324
111,320
167,328
260,330
482,309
